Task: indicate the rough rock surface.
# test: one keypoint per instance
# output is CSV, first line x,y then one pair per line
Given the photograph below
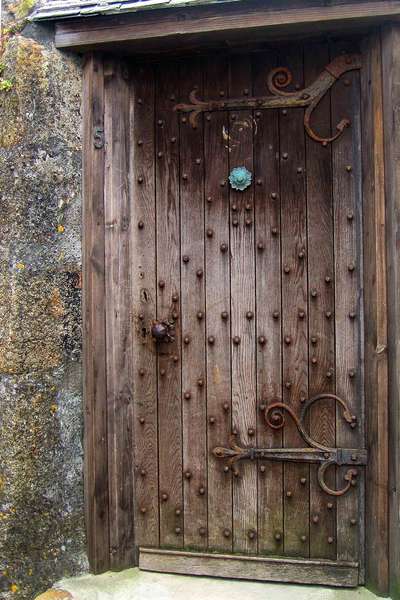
x,y
41,491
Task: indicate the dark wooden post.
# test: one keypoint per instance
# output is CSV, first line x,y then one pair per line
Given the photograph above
x,y
391,100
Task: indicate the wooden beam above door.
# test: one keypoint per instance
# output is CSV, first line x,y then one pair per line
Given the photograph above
x,y
159,29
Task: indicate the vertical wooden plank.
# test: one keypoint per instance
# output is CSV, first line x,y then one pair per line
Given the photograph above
x,y
118,316
96,462
294,303
191,162
321,317
391,104
168,302
244,414
268,306
218,290
375,286
144,296
346,169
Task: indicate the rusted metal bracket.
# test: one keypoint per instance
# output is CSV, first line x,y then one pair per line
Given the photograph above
x,y
315,453
278,80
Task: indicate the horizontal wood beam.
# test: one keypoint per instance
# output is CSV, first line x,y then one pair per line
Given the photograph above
x,y
311,571
212,21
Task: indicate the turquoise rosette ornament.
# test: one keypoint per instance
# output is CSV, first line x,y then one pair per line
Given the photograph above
x,y
240,178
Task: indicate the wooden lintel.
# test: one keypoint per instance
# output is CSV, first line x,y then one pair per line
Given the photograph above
x,y
326,572
213,21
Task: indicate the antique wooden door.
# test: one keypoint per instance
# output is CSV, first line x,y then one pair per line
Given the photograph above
x,y
247,314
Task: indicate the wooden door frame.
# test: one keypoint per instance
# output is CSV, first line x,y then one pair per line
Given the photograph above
x,y
380,194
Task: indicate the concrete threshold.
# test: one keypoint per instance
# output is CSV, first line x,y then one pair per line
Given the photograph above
x,y
133,584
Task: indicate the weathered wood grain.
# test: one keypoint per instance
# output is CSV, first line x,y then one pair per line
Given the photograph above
x,y
321,310
346,169
391,104
144,302
244,412
268,306
168,283
375,292
213,21
217,313
94,339
118,298
193,277
335,573
294,301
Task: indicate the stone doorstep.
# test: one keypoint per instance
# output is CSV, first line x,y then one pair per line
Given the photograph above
x,y
133,584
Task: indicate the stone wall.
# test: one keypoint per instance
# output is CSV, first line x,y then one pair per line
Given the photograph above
x,y
41,492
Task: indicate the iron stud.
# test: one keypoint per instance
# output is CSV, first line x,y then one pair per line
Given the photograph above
x,y
226,469
234,207
284,112
202,531
251,431
186,340
160,122
140,316
303,481
286,269
301,314
352,315
175,358
328,314
187,395
274,231
299,170
262,468
198,161
288,385
202,491
222,183
251,534
208,117
236,340
351,266
289,494
225,406
248,222
199,273
234,431
224,315
314,360
164,497
303,538
224,247
314,340
210,233
275,314
174,315
328,279
188,474
330,540
352,373
177,530
143,472
315,519
211,340
301,254
227,533
262,340
175,297
161,284
350,215
248,207
353,522
249,315
303,399
262,407
329,506
162,372
329,374
141,372
143,510
140,179
246,91
200,315
173,140
209,199
178,512
314,293
277,537
288,340
159,154
142,420
140,142
235,222
274,195
140,224
260,246
200,382
211,420
185,258
285,155
233,117
259,181
185,176
184,120
349,168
